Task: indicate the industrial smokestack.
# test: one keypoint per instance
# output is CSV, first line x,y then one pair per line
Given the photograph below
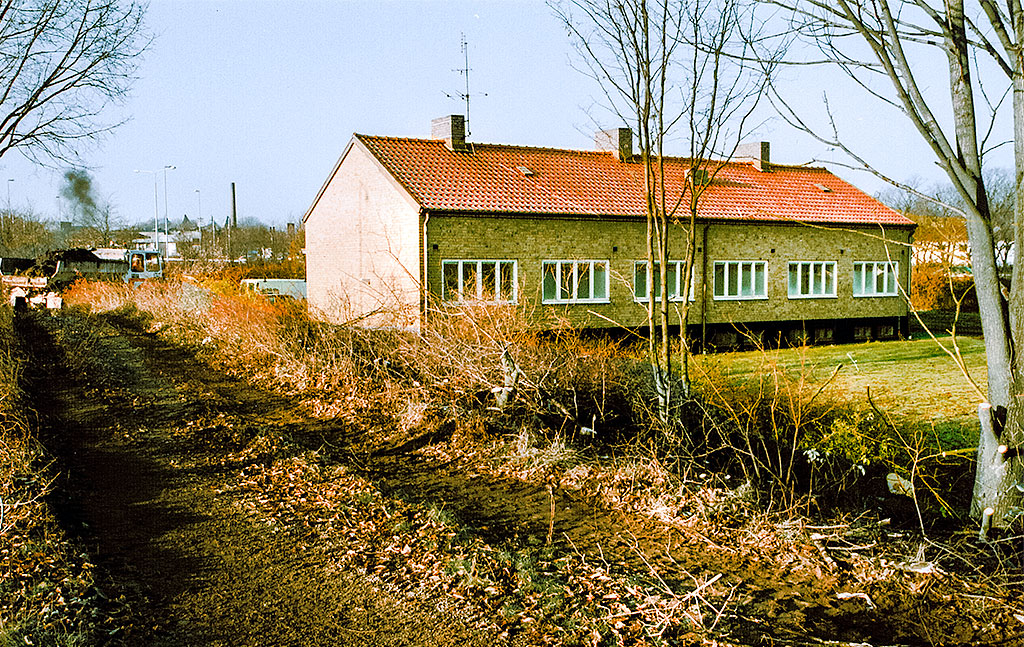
x,y
234,208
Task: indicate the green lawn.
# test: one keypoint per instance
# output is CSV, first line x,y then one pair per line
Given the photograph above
x,y
913,379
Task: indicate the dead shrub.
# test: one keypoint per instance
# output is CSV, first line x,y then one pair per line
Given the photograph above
x,y
933,288
783,430
500,360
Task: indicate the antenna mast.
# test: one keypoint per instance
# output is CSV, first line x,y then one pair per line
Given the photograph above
x,y
465,54
465,71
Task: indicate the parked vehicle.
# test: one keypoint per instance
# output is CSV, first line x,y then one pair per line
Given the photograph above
x,y
39,282
277,288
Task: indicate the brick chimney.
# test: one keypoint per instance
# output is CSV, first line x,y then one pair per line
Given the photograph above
x,y
452,129
756,153
616,140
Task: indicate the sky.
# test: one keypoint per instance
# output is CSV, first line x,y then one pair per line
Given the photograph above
x,y
266,95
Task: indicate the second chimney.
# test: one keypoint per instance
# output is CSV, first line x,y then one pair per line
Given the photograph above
x,y
616,140
452,129
757,153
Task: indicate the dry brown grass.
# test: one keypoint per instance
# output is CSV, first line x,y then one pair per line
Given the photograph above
x,y
15,452
46,594
489,361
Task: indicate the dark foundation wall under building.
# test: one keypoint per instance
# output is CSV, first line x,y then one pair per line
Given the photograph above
x,y
771,334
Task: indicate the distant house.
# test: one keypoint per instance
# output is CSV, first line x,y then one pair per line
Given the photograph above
x,y
173,242
403,224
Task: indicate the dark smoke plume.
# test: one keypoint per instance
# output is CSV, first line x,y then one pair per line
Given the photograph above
x,y
77,189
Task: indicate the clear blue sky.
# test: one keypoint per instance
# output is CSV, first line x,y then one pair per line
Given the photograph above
x,y
266,95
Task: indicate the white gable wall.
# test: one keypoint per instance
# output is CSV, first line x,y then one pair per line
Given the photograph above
x,y
362,246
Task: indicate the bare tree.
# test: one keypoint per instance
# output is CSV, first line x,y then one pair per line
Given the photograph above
x,y
62,63
24,234
668,67
894,40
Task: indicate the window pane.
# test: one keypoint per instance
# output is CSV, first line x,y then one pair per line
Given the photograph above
x,y
746,279
760,288
450,272
470,287
550,289
565,286
806,278
890,285
829,272
719,279
794,279
732,280
640,280
600,281
858,278
582,281
673,280
488,280
507,290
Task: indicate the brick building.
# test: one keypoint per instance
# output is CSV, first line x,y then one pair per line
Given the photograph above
x,y
401,224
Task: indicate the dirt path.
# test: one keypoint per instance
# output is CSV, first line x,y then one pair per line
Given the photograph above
x,y
196,571
142,431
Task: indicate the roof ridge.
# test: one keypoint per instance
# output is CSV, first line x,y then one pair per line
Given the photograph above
x,y
583,151
553,149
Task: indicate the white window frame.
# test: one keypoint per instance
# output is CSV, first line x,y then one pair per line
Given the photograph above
x,y
816,271
476,295
674,268
739,267
560,266
865,283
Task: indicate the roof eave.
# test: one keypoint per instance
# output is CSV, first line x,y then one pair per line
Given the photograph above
x,y
449,212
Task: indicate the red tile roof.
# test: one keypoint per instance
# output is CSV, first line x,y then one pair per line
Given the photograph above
x,y
493,178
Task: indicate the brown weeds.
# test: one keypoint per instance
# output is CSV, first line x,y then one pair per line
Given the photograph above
x,y
46,585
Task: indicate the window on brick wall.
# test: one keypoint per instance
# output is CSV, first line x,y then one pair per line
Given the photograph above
x,y
575,282
675,281
741,280
812,279
875,279
482,281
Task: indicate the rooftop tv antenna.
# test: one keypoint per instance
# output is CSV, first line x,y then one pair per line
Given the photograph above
x,y
464,96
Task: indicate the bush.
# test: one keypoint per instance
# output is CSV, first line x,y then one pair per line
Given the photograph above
x,y
932,288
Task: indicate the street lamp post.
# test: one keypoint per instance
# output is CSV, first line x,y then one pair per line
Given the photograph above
x,y
199,216
156,211
9,224
167,237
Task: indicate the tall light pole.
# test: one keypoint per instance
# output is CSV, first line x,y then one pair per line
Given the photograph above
x,y
10,216
156,211
199,216
167,237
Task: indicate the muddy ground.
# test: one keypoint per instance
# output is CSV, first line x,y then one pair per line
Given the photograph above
x,y
158,456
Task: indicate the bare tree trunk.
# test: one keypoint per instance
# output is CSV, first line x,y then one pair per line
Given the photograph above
x,y
944,26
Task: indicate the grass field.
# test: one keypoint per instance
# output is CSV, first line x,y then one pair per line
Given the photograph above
x,y
913,379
